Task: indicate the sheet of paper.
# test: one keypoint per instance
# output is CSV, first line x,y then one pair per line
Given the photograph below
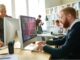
x,y
4,51
9,57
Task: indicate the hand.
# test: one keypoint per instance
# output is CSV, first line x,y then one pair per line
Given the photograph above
x,y
41,42
1,43
40,46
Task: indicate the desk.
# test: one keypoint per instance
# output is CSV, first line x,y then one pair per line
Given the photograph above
x,y
28,55
49,35
45,35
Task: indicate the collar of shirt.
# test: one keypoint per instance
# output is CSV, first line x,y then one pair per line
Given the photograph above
x,y
77,20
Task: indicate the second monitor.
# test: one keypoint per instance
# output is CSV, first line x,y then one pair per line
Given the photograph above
x,y
11,27
28,30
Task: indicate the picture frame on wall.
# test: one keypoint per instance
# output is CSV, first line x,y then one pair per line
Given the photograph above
x,y
68,5
51,9
48,11
75,5
79,5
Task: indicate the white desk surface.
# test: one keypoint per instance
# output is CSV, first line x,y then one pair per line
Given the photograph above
x,y
28,55
48,35
45,35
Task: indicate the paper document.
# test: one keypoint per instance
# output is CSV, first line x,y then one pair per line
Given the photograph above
x,y
9,57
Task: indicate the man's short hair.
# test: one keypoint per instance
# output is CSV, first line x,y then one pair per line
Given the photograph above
x,y
2,7
39,16
57,21
70,10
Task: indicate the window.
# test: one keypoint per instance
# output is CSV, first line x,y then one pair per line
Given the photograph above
x,y
32,8
37,7
20,8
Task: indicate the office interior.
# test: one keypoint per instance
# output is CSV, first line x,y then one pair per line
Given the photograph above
x,y
49,10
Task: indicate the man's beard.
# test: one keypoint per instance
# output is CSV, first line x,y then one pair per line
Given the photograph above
x,y
66,23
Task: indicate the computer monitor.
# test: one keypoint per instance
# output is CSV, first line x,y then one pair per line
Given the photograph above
x,y
28,30
11,27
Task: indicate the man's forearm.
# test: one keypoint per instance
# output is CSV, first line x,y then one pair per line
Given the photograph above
x,y
56,42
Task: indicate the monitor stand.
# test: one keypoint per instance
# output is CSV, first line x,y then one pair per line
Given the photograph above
x,y
17,44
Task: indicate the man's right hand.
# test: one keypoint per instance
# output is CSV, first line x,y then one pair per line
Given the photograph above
x,y
41,45
42,42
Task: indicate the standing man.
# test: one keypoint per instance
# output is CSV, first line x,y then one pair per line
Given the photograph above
x,y
39,24
70,44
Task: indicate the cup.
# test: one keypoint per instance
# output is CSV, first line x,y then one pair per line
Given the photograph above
x,y
11,47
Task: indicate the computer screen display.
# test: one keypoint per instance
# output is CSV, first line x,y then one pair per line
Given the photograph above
x,y
28,27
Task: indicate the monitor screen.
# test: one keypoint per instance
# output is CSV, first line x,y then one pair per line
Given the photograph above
x,y
28,26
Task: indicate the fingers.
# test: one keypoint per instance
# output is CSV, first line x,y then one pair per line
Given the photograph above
x,y
40,46
40,49
41,43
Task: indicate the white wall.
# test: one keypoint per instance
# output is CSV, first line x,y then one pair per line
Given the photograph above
x,y
51,3
69,1
20,8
